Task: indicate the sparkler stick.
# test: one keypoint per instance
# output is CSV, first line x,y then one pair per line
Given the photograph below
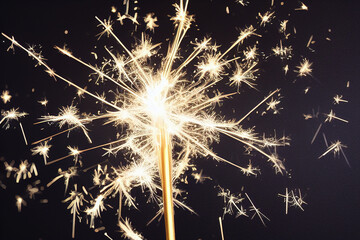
x,y
165,162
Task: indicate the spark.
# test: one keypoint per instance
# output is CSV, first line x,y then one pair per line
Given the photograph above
x,y
145,49
13,114
282,52
303,7
107,235
307,116
10,168
304,69
74,151
257,211
286,69
43,102
5,96
339,99
25,170
336,148
107,25
19,202
316,133
43,150
293,199
227,10
283,26
81,92
128,231
150,21
242,2
250,170
68,116
286,200
231,202
331,115
244,75
278,164
76,200
32,50
72,171
212,65
99,229
199,177
97,176
244,34
32,190
120,18
181,16
310,41
297,199
133,19
266,18
273,105
251,53
137,174
95,210
95,55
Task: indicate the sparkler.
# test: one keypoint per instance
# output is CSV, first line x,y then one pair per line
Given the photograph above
x,y
160,109
167,117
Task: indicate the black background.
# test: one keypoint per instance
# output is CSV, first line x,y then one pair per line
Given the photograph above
x,y
331,187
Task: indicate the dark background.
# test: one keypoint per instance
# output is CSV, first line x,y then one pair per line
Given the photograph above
x,y
331,187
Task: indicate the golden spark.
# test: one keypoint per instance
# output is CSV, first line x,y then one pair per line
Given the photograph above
x,y
266,18
150,21
303,7
304,69
339,99
5,96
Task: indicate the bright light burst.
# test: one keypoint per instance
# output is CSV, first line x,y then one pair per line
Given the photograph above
x,y
157,100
